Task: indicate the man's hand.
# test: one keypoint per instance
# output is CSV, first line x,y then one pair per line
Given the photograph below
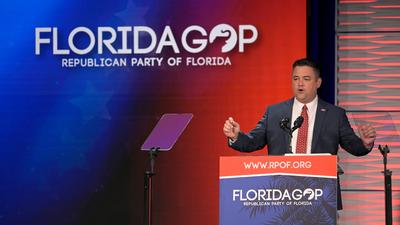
x,y
367,135
231,129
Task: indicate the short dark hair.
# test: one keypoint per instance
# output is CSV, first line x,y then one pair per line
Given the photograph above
x,y
307,62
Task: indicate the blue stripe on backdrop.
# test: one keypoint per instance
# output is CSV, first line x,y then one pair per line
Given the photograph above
x,y
54,156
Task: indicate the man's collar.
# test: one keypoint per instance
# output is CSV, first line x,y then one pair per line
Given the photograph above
x,y
311,105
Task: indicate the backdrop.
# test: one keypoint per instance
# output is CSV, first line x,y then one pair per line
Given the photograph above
x,y
84,82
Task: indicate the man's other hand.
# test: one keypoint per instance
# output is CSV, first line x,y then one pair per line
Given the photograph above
x,y
367,135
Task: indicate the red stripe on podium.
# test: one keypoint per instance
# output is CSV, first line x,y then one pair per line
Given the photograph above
x,y
310,165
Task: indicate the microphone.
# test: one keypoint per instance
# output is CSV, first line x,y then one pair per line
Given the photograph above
x,y
284,124
297,123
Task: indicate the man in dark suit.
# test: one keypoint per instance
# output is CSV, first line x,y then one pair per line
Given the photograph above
x,y
324,127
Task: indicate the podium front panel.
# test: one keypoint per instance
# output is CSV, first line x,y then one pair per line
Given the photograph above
x,y
262,190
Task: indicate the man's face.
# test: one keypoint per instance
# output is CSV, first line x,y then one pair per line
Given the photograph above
x,y
305,83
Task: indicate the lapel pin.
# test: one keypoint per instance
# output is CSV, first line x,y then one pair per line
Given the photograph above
x,y
323,110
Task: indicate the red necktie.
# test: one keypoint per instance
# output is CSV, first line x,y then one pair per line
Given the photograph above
x,y
301,146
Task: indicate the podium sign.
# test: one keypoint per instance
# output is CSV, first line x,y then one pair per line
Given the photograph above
x,y
296,189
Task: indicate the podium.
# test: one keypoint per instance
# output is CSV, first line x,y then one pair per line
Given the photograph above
x,y
269,190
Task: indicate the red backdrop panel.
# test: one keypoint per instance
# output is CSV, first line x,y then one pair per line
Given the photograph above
x,y
186,185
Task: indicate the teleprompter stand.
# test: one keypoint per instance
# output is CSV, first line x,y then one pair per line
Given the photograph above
x,y
148,187
162,138
388,186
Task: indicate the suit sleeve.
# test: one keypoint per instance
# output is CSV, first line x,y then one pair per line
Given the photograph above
x,y
349,141
256,139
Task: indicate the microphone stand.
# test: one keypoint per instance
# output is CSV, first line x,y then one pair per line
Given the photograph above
x,y
284,124
290,132
388,186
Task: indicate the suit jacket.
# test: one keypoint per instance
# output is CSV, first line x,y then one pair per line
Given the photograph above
x,y
331,129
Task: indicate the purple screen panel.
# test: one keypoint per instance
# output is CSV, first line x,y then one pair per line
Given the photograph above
x,y
167,131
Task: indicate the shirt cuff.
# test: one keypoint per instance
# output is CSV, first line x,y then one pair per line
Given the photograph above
x,y
230,141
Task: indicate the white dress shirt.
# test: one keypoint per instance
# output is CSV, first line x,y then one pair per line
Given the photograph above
x,y
296,112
